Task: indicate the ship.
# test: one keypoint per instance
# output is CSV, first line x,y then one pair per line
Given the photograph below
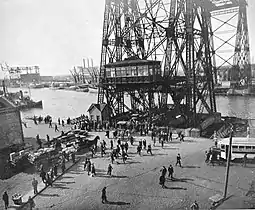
x,y
86,77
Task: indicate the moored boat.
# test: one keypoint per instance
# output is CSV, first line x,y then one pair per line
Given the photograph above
x,y
30,105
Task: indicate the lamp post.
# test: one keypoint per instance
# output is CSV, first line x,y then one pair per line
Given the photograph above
x,y
228,164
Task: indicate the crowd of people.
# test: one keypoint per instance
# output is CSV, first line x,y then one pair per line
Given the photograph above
x,y
118,152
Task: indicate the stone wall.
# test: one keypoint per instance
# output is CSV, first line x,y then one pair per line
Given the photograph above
x,y
10,127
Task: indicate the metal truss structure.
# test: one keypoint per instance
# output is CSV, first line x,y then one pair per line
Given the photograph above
x,y
179,34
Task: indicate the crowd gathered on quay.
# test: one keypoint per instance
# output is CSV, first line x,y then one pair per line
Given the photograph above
x,y
118,149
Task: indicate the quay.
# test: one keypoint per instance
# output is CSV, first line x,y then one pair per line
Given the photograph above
x,y
135,185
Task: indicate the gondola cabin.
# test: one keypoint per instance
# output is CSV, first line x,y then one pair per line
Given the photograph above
x,y
240,147
132,71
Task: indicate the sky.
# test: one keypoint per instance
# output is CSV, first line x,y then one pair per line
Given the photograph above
x,y
57,34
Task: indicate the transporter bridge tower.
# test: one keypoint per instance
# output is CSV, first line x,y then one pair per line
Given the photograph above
x,y
159,54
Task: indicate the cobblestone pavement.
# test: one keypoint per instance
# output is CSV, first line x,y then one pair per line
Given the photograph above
x,y
135,185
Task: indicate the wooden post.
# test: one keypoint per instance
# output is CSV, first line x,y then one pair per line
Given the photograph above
x,y
228,164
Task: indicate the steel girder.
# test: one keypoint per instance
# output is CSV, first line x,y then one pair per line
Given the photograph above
x,y
176,32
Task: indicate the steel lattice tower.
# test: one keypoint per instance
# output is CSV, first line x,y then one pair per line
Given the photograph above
x,y
179,34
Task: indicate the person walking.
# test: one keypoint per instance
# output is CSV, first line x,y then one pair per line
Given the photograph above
x,y
35,184
48,180
43,175
178,160
104,198
194,206
58,121
93,170
50,123
56,128
170,171
244,160
149,149
144,144
109,171
31,203
6,200
139,150
63,167
163,171
124,157
111,142
89,167
55,169
126,147
162,180
48,139
112,157
171,136
63,123
73,157
162,143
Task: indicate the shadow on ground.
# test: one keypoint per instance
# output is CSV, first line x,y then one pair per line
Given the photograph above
x,y
111,177
191,167
119,203
179,179
61,186
175,188
49,195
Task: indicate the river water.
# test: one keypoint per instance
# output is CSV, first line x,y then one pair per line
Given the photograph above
x,y
64,104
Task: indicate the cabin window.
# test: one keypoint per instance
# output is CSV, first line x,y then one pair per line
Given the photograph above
x,y
140,71
253,147
222,146
134,71
146,71
128,73
112,72
123,71
108,72
241,147
118,72
92,117
158,70
248,147
234,147
151,70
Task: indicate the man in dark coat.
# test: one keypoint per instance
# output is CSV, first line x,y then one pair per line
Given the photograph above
x,y
126,147
171,135
170,171
178,160
163,171
162,181
111,142
109,172
144,144
104,198
112,156
149,149
6,200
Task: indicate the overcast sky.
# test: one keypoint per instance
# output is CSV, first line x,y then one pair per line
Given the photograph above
x,y
57,34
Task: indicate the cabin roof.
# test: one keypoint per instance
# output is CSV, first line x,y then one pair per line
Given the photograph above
x,y
100,107
132,63
238,140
